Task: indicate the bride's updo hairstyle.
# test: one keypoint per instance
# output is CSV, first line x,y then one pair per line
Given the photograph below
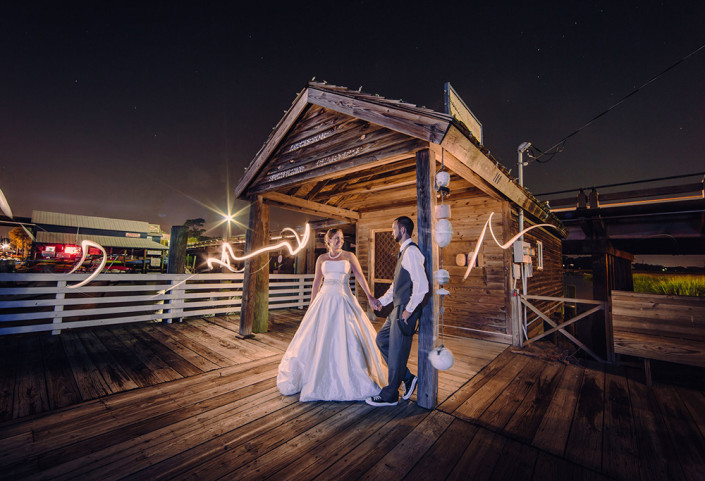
x,y
330,234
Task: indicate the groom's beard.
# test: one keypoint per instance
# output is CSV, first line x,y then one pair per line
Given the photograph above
x,y
397,237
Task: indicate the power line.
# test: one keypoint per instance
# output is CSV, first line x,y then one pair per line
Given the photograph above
x,y
621,184
559,145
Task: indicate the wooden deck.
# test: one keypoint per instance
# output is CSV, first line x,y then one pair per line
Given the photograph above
x,y
191,401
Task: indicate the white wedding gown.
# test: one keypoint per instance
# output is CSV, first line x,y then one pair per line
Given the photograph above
x,y
333,355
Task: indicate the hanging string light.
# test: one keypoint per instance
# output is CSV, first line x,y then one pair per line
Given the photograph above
x,y
440,357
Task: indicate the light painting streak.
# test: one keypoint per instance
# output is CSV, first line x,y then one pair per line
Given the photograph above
x,y
473,258
4,206
228,254
84,249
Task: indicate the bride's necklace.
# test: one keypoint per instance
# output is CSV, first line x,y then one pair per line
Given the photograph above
x,y
331,256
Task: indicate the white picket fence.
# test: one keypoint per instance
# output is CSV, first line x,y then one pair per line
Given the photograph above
x,y
45,302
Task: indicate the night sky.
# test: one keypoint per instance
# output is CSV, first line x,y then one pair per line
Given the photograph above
x,y
147,112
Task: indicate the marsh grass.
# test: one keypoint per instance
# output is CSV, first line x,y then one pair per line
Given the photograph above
x,y
670,284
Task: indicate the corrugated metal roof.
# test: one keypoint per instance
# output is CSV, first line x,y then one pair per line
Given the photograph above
x,y
104,240
71,220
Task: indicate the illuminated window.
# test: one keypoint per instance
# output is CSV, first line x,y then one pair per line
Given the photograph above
x,y
73,250
539,255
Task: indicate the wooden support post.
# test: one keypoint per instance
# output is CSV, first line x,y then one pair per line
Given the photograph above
x,y
602,285
177,249
311,253
515,323
255,290
427,395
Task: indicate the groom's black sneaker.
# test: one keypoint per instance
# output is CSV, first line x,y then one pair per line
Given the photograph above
x,y
378,401
409,387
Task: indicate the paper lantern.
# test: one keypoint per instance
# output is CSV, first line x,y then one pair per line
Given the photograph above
x,y
444,232
443,179
441,358
443,211
461,260
442,276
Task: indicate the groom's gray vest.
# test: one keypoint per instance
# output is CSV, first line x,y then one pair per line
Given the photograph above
x,y
402,281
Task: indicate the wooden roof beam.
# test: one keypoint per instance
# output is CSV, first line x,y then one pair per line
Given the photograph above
x,y
456,144
462,170
309,207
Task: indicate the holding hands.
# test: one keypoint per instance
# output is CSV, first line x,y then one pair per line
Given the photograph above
x,y
376,305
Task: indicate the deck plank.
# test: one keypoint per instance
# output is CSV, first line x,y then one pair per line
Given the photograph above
x,y
90,382
30,395
248,348
61,386
500,411
370,450
222,346
511,417
149,448
401,459
248,459
523,460
480,457
486,394
530,413
185,352
438,462
161,371
584,444
620,453
317,461
658,459
111,370
9,360
136,369
486,374
179,334
172,359
682,431
552,433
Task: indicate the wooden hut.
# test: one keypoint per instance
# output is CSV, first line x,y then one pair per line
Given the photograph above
x,y
365,160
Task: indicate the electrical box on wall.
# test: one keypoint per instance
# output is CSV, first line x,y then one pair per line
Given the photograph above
x,y
516,271
521,252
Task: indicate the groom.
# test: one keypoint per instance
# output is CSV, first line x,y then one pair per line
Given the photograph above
x,y
407,291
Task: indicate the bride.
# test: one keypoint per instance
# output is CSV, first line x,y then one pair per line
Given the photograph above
x,y
333,355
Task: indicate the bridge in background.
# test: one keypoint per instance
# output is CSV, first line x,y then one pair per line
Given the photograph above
x,y
663,216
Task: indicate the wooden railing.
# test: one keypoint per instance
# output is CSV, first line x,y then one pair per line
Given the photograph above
x,y
659,327
560,327
45,302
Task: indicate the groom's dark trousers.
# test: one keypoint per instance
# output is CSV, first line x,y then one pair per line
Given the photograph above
x,y
395,348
